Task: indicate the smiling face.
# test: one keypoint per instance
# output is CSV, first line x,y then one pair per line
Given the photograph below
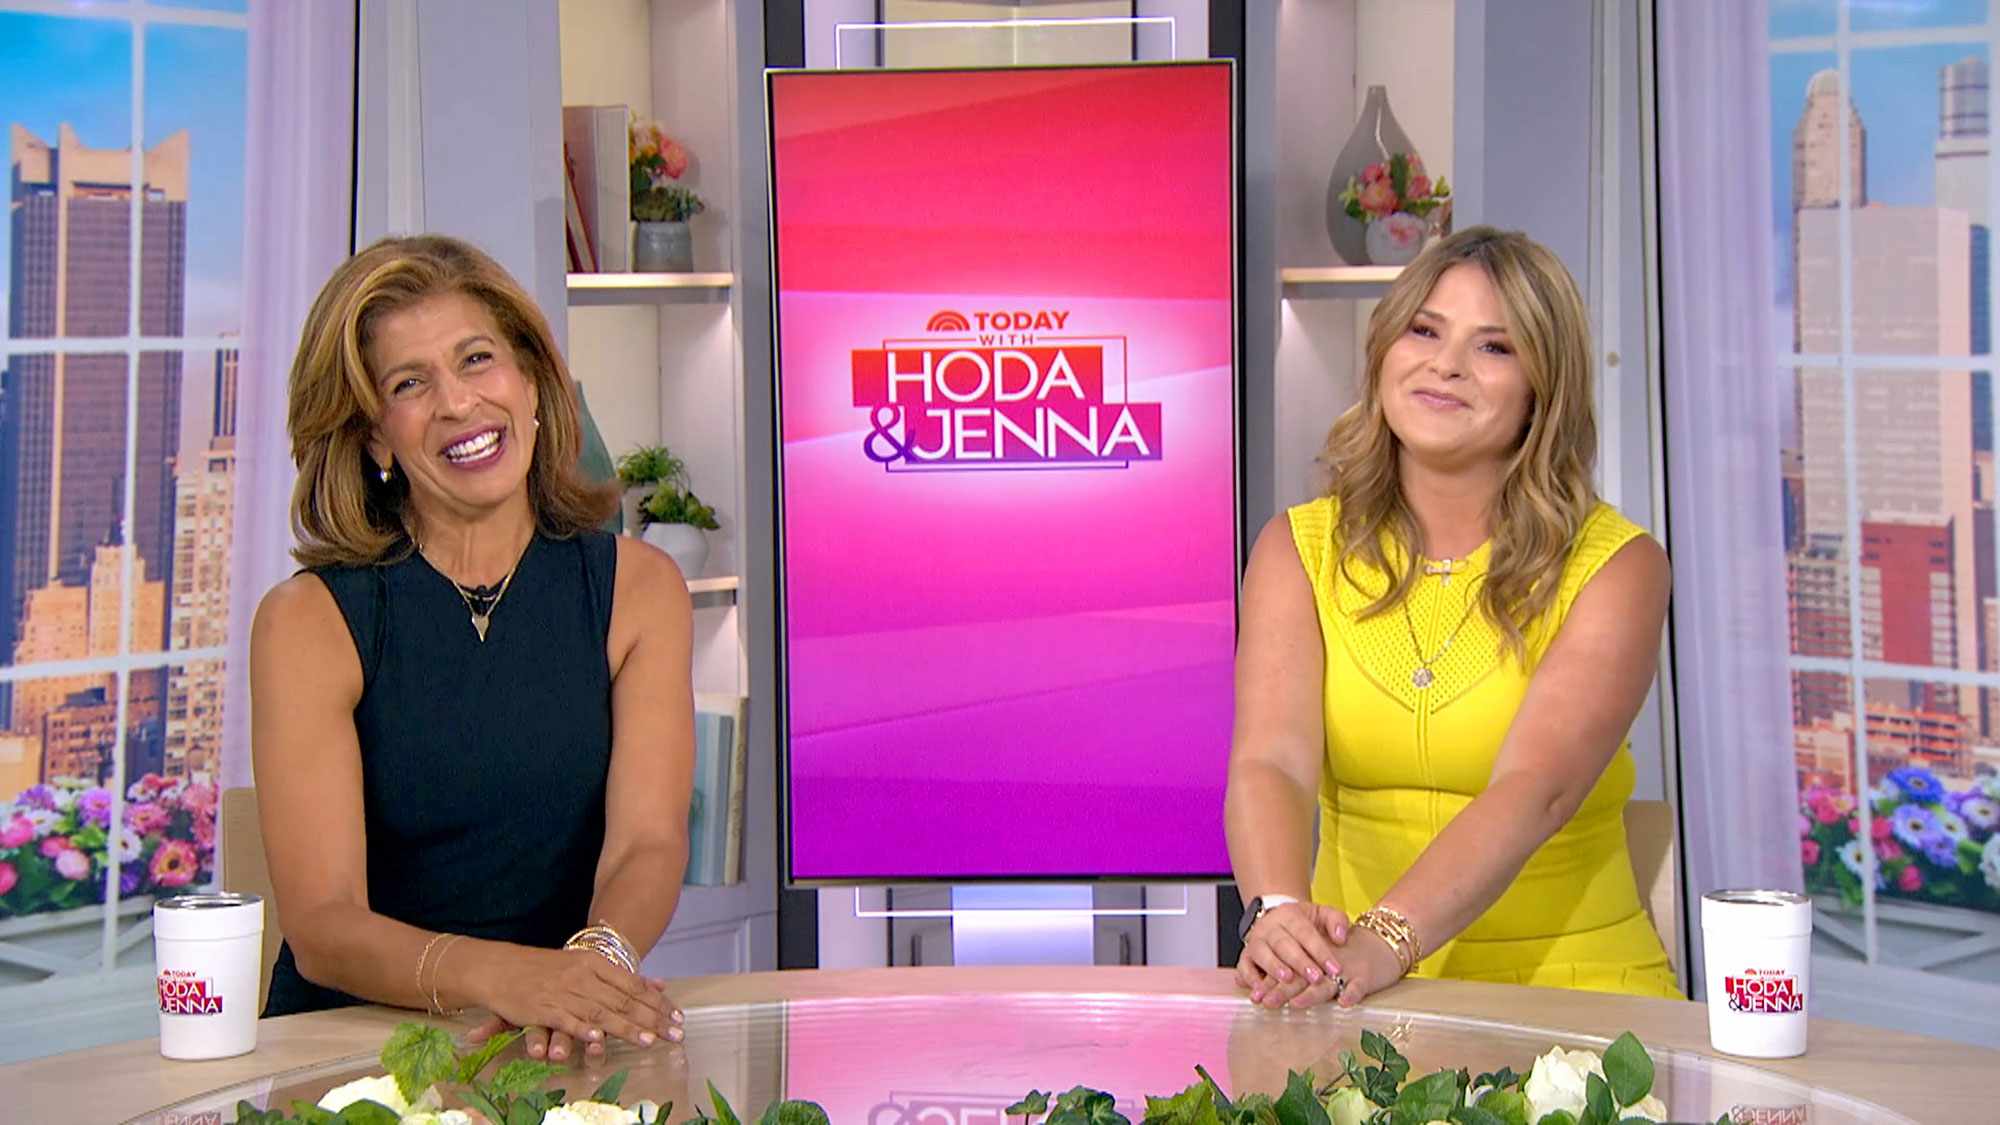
x,y
458,413
1453,387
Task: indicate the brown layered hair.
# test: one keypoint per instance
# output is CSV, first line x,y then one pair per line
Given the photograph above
x,y
1546,491
343,513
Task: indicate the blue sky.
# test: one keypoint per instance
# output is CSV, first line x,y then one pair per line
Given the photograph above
x,y
57,70
1816,17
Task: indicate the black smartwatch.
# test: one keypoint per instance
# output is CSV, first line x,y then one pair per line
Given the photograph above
x,y
1255,909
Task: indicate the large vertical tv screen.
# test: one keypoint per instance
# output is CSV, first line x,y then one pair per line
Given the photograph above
x,y
1007,534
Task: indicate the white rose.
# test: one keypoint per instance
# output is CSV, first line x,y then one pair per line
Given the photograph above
x,y
381,1090
1348,1107
1648,1107
590,1113
1558,1081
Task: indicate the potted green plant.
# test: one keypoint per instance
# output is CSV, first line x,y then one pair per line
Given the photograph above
x,y
660,204
664,507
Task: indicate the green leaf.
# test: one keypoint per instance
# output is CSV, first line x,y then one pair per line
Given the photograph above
x,y
478,1100
1628,1069
522,1076
608,1092
420,1057
366,1112
1598,1106
1558,1117
470,1065
1502,1079
524,1112
723,1112
793,1112
1222,1105
1035,1102
248,1114
1377,1046
310,1114
1192,1106
1298,1105
1081,1105
1474,1115
1510,1106
1428,1099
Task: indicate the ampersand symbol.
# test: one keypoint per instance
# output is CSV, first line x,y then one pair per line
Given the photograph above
x,y
881,419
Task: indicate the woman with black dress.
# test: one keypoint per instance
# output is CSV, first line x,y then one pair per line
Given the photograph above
x,y
472,711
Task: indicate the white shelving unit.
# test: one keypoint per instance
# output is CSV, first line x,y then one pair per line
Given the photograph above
x,y
1337,281
709,593
649,288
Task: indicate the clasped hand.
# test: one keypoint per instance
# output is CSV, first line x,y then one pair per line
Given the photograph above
x,y
1305,953
566,997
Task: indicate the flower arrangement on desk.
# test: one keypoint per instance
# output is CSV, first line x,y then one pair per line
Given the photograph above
x,y
56,842
1561,1088
1925,842
1395,198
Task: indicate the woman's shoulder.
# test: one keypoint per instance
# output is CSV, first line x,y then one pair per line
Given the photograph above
x,y
648,578
1604,534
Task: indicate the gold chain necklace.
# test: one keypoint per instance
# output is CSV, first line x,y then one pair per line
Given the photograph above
x,y
480,621
1423,677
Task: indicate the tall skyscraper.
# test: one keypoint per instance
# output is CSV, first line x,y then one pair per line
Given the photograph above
x,y
205,504
1908,602
76,622
62,428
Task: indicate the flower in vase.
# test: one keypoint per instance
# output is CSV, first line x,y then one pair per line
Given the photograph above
x,y
129,846
1378,198
131,878
1952,825
1825,811
148,819
199,798
37,797
53,846
1910,880
17,831
1941,849
1880,828
94,807
1854,856
1805,825
1809,852
1405,231
1989,862
8,877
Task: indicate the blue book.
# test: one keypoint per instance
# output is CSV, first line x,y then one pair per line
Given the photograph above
x,y
715,813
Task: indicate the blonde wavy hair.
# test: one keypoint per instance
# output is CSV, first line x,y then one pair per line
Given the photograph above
x,y
1546,491
343,513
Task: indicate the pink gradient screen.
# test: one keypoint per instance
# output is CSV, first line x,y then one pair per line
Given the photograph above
x,y
1007,462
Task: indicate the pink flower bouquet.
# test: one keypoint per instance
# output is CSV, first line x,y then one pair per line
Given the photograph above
x,y
658,162
57,843
1398,184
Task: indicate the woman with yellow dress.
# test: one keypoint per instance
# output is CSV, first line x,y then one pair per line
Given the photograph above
x,y
1439,662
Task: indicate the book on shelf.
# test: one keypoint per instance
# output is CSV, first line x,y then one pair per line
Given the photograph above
x,y
599,138
715,812
582,255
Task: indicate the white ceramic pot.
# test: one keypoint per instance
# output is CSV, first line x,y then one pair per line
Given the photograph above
x,y
687,544
1394,240
629,503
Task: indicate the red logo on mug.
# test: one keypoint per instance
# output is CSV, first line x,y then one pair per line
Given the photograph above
x,y
1764,990
184,994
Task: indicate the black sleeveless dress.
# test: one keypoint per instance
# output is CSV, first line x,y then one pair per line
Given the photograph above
x,y
483,765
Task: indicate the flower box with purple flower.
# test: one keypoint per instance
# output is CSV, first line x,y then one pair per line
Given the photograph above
x,y
1924,841
58,844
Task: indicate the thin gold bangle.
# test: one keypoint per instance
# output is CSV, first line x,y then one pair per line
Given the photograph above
x,y
423,957
437,970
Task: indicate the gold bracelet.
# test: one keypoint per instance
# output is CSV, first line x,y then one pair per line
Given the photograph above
x,y
437,969
607,943
1392,927
423,957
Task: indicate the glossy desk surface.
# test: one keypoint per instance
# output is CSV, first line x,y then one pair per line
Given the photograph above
x,y
955,1045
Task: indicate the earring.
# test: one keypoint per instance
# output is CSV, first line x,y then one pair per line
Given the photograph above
x,y
384,473
537,422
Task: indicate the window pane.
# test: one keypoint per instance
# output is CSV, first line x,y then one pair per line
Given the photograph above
x,y
66,90
1933,790
195,499
208,5
195,111
56,834
63,545
1791,19
1805,121
1891,15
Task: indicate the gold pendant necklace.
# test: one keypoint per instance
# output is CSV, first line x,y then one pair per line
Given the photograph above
x,y
1423,677
482,621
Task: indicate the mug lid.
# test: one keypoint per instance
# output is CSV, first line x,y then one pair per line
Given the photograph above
x,y
208,917
1757,912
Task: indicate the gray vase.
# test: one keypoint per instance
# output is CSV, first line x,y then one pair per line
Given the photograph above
x,y
663,248
1376,137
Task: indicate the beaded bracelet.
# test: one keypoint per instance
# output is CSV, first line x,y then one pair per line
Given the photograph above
x,y
1391,926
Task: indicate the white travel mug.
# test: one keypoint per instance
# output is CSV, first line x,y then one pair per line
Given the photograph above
x,y
208,954
1758,954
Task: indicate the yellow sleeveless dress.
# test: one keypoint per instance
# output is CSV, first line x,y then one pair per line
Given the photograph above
x,y
1402,761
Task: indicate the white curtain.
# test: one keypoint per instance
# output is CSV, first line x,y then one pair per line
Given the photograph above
x,y
298,190
1738,798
